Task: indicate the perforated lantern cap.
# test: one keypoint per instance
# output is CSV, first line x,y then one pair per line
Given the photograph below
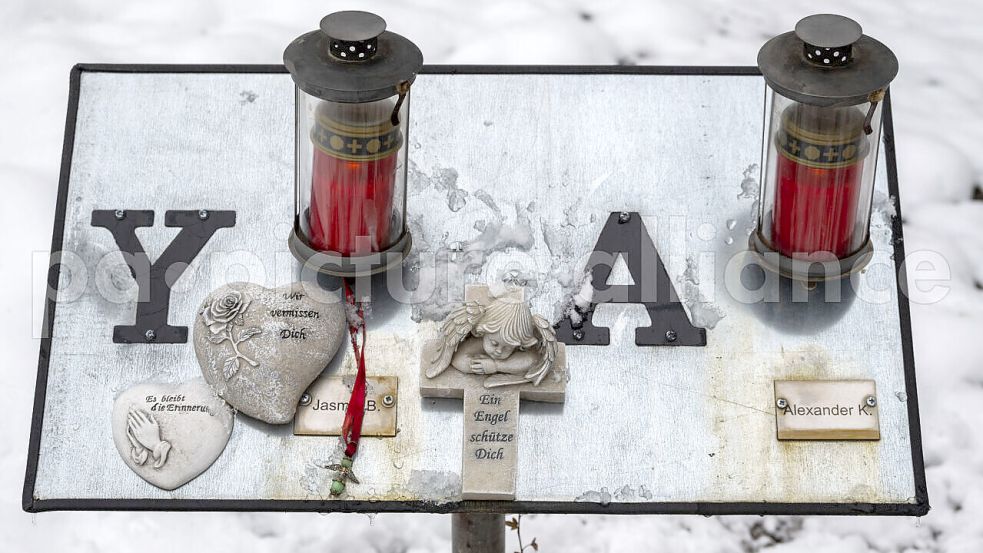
x,y
827,61
352,58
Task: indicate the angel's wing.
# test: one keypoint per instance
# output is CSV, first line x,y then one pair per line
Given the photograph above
x,y
547,349
456,328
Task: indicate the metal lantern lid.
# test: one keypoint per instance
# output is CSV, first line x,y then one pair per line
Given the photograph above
x,y
353,59
827,61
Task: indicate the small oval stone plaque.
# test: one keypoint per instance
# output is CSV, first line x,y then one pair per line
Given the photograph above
x,y
826,410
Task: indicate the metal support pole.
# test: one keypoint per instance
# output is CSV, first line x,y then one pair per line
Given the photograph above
x,y
478,533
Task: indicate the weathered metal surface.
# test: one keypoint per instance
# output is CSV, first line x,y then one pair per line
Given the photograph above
x,y
555,154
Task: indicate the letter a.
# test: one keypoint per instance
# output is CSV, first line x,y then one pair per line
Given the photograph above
x,y
651,288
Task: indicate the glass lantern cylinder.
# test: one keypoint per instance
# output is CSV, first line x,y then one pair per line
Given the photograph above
x,y
822,129
353,83
354,174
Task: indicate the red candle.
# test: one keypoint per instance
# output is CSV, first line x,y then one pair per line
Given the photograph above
x,y
353,178
818,175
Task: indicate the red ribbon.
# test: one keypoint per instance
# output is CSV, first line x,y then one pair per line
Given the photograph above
x,y
351,429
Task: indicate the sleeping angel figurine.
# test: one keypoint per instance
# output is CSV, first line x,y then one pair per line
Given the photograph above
x,y
503,340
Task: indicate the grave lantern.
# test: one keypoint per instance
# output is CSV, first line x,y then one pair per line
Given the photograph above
x,y
822,126
352,111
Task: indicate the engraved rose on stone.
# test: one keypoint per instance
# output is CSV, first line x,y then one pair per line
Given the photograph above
x,y
224,310
221,317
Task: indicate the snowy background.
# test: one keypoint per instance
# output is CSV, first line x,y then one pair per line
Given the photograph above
x,y
938,111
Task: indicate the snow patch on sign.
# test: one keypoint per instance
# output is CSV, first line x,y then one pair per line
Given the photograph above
x,y
702,312
602,496
434,485
578,297
749,183
439,272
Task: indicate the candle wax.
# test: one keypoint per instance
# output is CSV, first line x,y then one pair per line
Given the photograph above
x,y
815,208
351,203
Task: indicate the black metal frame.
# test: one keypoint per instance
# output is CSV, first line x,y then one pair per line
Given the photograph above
x,y
30,504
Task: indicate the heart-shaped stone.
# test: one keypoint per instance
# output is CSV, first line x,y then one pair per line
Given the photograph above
x,y
260,349
170,433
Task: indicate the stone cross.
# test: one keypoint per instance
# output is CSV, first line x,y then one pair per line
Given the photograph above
x,y
491,415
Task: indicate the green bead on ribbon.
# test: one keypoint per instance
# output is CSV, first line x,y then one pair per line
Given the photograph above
x,y
345,473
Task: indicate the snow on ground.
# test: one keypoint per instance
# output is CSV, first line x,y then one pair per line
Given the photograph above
x,y
939,125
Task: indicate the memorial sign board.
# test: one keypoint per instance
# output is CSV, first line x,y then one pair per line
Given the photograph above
x,y
513,171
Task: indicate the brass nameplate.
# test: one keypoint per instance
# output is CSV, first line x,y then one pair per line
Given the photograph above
x,y
826,410
322,409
